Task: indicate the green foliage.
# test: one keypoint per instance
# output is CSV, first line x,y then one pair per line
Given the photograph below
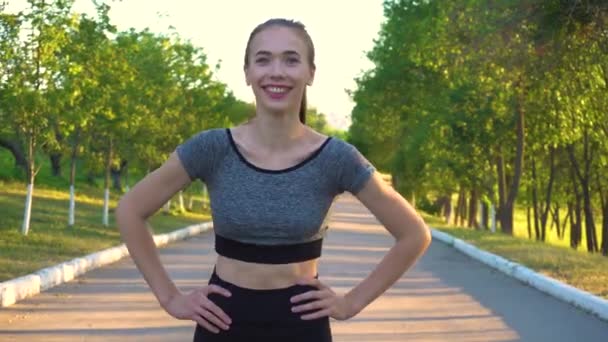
x,y
74,89
440,106
72,85
318,122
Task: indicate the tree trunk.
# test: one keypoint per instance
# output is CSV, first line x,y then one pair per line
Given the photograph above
x,y
506,214
55,159
31,176
473,223
493,218
545,211
584,179
506,219
502,182
190,202
574,211
180,202
446,207
592,245
456,214
72,211
117,175
463,209
529,221
106,185
563,224
604,248
27,215
535,201
485,215
604,205
555,220
460,208
116,181
17,152
74,155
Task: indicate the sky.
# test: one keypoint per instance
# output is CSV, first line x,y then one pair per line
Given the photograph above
x,y
342,32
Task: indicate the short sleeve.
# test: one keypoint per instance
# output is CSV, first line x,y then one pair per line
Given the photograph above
x,y
198,155
354,170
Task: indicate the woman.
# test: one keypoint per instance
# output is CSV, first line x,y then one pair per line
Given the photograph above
x,y
271,182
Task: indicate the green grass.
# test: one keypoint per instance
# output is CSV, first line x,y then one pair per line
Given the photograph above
x,y
580,269
51,240
520,230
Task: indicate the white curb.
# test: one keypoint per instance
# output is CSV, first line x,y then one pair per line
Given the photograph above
x,y
14,290
569,294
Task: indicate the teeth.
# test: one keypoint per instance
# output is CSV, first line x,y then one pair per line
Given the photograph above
x,y
276,90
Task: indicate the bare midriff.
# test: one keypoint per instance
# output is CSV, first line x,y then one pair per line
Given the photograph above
x,y
263,276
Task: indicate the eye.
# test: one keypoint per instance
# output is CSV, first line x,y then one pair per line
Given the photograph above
x,y
261,60
292,60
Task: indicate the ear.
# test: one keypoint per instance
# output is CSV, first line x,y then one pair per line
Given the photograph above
x,y
247,81
311,76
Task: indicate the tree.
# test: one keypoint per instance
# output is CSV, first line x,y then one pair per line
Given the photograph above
x,y
34,80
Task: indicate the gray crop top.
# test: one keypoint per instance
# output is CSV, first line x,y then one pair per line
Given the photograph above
x,y
272,207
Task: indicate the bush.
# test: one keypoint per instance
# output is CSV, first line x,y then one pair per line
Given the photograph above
x,y
425,204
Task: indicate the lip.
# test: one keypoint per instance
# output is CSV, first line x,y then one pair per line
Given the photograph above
x,y
277,86
276,96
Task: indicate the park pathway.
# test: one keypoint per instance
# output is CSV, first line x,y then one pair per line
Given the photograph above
x,y
446,297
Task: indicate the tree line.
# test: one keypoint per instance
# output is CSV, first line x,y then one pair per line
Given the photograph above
x,y
73,87
498,102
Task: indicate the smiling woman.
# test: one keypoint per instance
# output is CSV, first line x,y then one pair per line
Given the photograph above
x,y
279,64
271,183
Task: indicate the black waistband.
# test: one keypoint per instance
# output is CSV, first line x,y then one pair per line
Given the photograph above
x,y
268,254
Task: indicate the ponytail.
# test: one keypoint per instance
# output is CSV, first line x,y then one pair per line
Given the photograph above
x,y
303,108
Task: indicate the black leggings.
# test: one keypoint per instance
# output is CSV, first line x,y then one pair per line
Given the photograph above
x,y
263,315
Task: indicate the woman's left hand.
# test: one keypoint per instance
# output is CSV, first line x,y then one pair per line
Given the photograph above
x,y
327,302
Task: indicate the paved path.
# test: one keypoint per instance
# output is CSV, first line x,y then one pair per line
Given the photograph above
x,y
446,297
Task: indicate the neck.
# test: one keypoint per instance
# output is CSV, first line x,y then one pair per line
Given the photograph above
x,y
277,132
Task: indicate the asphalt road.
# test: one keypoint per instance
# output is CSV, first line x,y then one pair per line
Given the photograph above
x,y
446,297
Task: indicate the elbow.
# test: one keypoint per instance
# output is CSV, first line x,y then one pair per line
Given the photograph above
x,y
123,214
427,237
419,235
128,211
424,234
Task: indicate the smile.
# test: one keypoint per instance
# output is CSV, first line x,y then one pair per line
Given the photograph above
x,y
276,92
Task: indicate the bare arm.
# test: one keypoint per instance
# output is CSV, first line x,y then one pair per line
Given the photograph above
x,y
405,225
135,207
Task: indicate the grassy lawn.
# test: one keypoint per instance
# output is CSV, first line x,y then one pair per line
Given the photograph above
x,y
580,269
51,240
520,230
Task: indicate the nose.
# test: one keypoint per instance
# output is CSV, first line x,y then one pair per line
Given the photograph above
x,y
276,69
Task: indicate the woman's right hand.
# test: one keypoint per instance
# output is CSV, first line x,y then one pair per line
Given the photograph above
x,y
197,307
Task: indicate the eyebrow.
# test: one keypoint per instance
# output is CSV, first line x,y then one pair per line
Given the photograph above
x,y
267,53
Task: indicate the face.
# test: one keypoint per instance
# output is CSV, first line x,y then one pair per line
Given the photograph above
x,y
278,70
